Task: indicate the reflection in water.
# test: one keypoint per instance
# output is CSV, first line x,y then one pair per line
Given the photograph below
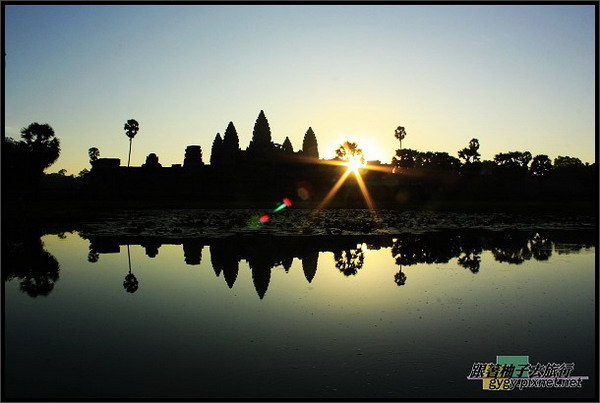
x,y
400,278
349,261
257,318
93,256
130,284
192,251
541,248
25,258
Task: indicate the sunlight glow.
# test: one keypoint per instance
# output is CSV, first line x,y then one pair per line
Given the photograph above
x,y
355,163
365,192
333,191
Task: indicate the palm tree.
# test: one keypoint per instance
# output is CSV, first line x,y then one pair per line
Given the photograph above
x,y
400,134
131,128
94,154
43,148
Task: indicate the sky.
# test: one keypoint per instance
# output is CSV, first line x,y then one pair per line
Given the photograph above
x,y
516,77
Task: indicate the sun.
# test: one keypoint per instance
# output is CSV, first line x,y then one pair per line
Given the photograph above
x,y
355,162
351,155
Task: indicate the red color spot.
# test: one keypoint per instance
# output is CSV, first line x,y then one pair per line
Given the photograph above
x,y
287,202
264,218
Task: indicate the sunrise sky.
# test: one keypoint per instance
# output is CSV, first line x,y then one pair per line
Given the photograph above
x,y
516,77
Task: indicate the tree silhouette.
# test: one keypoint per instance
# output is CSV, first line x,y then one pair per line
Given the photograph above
x,y
400,134
83,173
216,152
541,165
437,160
310,147
131,128
406,158
94,154
261,135
349,151
524,158
27,159
567,162
42,145
287,146
513,161
470,153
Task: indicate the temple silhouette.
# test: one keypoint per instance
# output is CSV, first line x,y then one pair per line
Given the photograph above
x,y
263,171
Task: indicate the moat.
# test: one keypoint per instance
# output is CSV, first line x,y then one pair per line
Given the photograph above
x,y
115,310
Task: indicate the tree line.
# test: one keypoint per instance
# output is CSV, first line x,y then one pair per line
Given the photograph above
x,y
27,159
512,163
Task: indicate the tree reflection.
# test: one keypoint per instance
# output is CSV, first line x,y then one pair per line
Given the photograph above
x,y
470,255
400,278
24,258
131,283
349,261
427,248
511,248
93,256
541,247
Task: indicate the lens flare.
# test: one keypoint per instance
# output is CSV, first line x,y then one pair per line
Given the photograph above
x,y
355,163
286,203
255,221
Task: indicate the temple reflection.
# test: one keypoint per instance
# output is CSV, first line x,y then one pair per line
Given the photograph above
x,y
25,259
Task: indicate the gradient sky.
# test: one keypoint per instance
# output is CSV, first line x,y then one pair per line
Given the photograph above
x,y
516,77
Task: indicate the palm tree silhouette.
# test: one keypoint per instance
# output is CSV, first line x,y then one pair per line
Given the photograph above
x,y
400,134
131,128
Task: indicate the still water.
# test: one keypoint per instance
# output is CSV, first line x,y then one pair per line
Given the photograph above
x,y
374,317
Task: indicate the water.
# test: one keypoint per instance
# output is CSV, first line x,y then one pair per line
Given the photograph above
x,y
374,316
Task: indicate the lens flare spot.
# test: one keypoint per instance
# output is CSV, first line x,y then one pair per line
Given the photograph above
x,y
287,202
303,193
263,219
254,222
